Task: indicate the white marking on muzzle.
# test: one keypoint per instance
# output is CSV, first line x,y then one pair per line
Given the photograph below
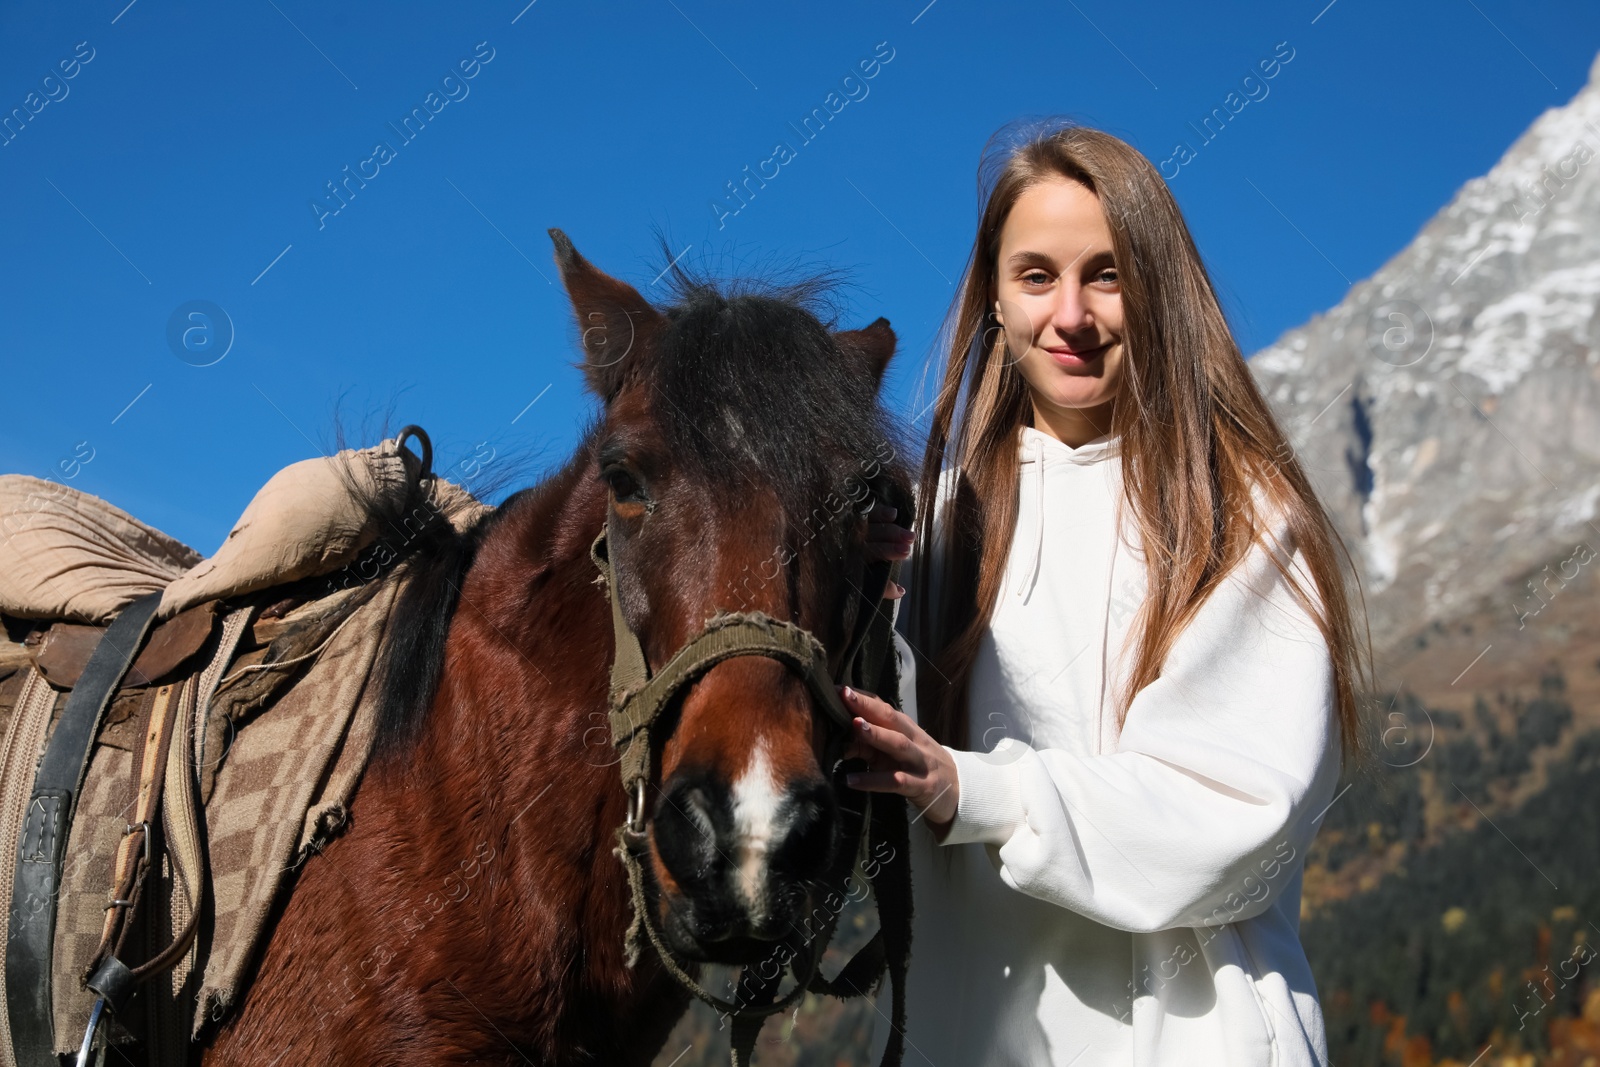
x,y
756,799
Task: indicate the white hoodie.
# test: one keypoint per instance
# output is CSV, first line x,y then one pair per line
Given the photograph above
x,y
1132,899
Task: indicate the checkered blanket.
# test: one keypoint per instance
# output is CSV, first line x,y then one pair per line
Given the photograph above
x,y
280,754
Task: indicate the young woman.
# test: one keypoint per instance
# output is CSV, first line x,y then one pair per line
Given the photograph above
x,y
1130,668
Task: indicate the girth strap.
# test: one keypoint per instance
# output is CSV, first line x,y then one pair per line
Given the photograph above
x,y
137,857
30,725
45,831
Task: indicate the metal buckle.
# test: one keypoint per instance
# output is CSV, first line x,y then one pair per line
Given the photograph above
x,y
145,826
636,808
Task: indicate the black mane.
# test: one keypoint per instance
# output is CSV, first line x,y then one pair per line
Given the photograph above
x,y
753,390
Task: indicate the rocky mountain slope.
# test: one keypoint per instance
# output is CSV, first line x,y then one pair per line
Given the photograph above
x,y
1449,408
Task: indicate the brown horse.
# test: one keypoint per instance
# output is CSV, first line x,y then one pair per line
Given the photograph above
x,y
474,911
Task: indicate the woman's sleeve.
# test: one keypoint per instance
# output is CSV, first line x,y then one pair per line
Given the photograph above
x,y
1224,767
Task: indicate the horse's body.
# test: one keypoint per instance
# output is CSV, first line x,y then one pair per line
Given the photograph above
x,y
473,911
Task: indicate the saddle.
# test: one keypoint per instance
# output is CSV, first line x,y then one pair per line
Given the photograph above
x,y
180,734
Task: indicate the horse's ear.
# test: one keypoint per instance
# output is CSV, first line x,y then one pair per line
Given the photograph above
x,y
872,344
615,324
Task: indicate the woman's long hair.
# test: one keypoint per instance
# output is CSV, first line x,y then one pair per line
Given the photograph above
x,y
1194,429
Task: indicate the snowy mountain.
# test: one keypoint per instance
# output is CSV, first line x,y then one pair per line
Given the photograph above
x,y
1448,408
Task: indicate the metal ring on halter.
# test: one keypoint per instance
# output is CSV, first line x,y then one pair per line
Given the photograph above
x,y
636,808
422,439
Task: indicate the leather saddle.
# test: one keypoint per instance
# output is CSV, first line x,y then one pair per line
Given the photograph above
x,y
62,650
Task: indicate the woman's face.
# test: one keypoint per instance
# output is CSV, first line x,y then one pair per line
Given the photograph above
x,y
1060,304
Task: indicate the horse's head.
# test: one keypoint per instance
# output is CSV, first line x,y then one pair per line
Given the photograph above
x,y
740,444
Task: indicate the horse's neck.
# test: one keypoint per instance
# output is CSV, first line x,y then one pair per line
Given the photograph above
x,y
529,643
518,737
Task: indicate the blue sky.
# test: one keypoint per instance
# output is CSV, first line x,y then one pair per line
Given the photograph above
x,y
182,159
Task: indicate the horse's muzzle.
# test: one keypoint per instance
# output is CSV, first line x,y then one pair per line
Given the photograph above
x,y
744,857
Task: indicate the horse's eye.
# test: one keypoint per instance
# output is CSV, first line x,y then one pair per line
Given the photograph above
x,y
624,486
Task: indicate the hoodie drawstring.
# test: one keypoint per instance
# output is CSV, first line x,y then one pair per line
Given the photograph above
x,y
1035,456
1106,728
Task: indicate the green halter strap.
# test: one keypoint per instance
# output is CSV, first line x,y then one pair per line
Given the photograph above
x,y
638,698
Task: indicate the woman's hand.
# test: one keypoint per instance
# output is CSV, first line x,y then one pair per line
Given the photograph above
x,y
902,758
885,540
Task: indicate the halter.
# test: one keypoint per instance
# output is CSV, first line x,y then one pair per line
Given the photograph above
x,y
638,699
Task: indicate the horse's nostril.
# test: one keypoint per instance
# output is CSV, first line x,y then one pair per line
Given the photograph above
x,y
745,855
686,830
808,845
695,804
